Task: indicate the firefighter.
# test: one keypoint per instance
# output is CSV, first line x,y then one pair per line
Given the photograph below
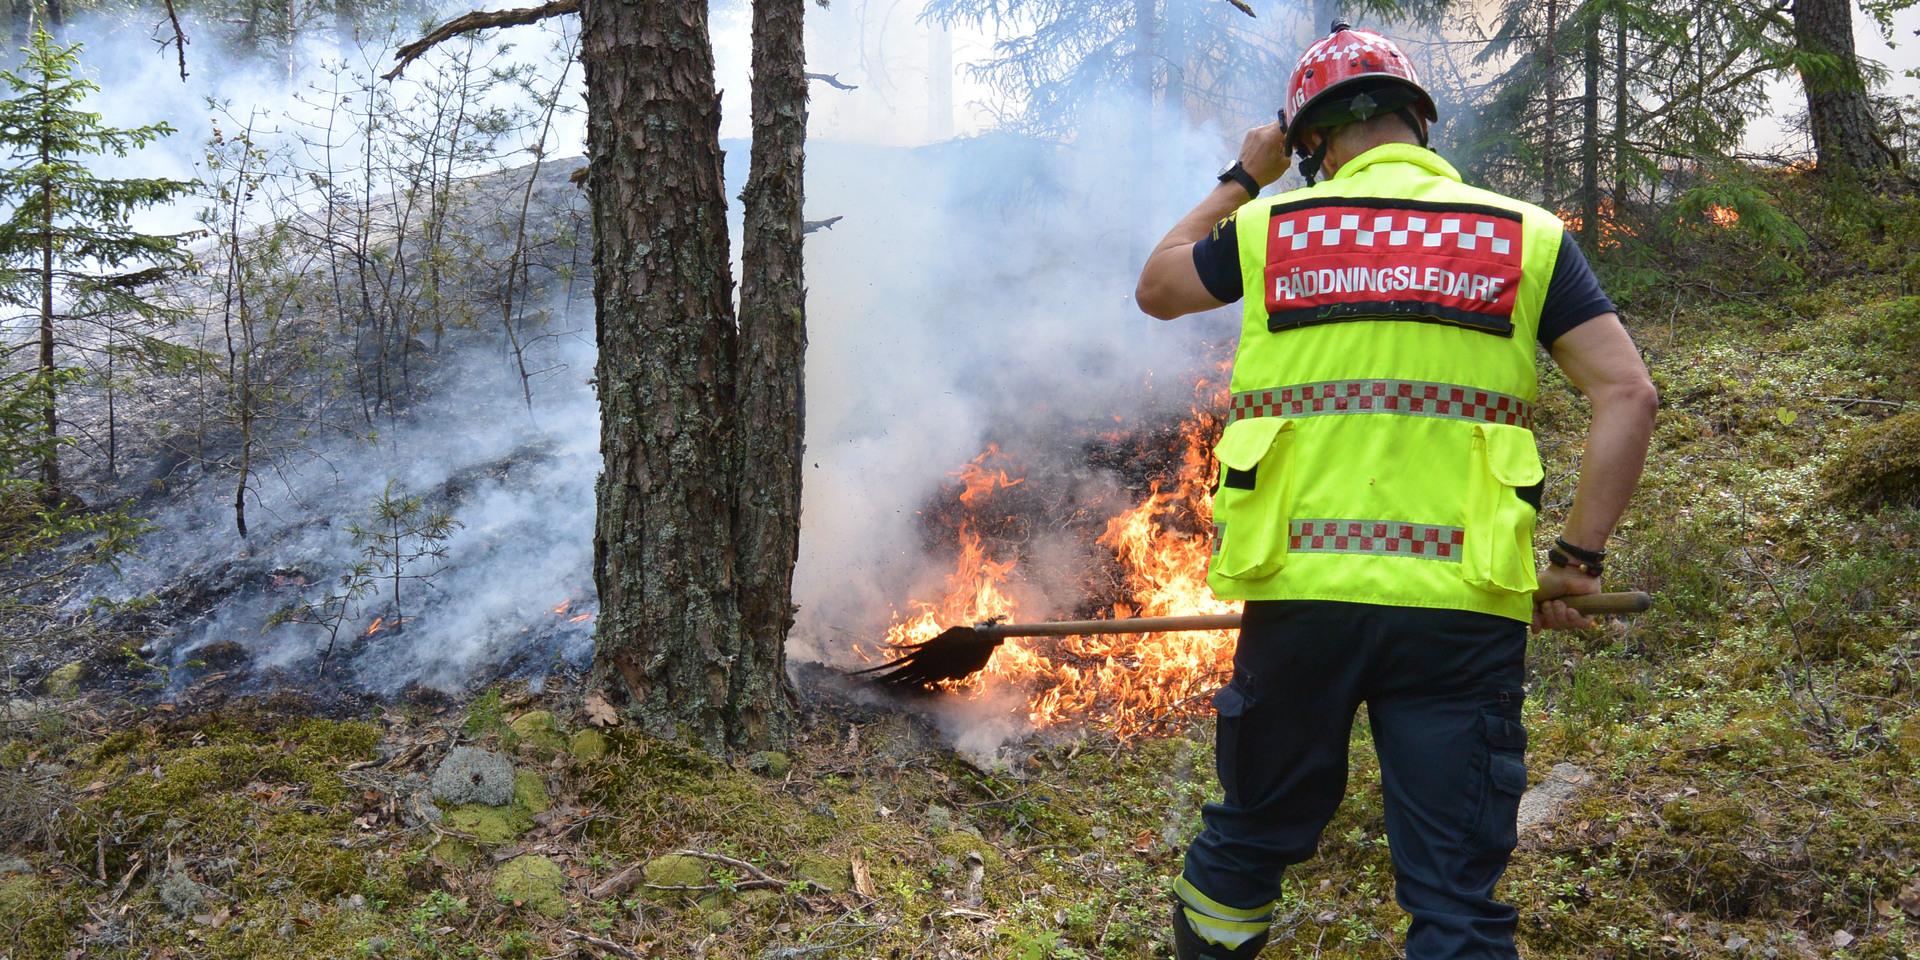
x,y
1378,488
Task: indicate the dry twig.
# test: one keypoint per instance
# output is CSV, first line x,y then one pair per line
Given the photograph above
x,y
477,20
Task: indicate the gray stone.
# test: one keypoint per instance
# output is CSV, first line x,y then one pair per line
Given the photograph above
x,y
471,775
11,865
1544,802
181,895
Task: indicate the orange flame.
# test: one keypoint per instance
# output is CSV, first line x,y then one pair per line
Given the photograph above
x,y
374,628
563,607
1722,216
580,618
979,481
1127,683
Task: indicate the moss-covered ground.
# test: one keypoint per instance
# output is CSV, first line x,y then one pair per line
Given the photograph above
x,y
1754,746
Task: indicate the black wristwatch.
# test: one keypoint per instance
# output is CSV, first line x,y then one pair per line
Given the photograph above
x,y
1238,174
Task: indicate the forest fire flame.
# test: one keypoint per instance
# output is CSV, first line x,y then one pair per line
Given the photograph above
x,y
1127,684
1722,216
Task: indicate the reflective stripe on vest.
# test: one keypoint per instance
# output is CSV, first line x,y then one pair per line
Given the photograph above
x,y
1414,398
1389,537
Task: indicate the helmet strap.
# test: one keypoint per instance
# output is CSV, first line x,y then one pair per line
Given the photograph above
x,y
1419,129
1311,164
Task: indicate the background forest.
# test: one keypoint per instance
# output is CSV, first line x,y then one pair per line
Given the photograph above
x,y
302,403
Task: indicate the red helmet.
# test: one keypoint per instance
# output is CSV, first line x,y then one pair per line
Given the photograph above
x,y
1351,75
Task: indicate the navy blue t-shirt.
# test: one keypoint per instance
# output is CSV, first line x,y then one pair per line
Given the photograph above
x,y
1573,294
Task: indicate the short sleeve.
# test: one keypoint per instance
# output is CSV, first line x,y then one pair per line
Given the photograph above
x,y
1216,257
1573,294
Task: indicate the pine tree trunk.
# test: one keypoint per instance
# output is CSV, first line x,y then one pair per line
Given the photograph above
x,y
1620,94
1845,134
773,346
1549,155
669,637
1590,156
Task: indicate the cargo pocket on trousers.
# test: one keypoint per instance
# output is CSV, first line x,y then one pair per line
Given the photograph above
x,y
1498,552
1231,703
1250,508
1506,742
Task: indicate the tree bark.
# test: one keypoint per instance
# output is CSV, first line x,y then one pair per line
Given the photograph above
x,y
1845,134
1620,94
669,639
1590,154
773,344
1550,159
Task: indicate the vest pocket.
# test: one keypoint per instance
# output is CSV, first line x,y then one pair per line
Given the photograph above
x,y
1498,552
1250,507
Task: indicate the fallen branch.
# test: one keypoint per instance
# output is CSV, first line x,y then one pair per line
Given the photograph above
x,y
757,878
478,20
616,885
833,80
1850,401
1242,6
603,943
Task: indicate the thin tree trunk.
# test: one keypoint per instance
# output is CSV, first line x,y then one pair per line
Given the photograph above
x,y
668,636
1550,160
1590,156
1619,106
50,457
773,345
1845,134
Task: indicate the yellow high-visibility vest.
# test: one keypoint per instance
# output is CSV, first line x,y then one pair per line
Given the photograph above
x,y
1379,444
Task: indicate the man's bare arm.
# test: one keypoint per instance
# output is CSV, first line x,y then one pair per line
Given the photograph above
x,y
1602,362
1169,285
1600,359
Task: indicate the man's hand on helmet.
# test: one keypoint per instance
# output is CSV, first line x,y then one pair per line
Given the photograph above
x,y
1263,154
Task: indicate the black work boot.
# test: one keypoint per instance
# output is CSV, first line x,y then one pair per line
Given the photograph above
x,y
1187,944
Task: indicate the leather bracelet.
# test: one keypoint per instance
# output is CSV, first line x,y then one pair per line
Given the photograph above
x,y
1580,553
1238,174
1559,559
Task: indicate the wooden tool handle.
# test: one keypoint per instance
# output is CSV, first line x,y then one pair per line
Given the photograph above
x,y
1595,603
1635,601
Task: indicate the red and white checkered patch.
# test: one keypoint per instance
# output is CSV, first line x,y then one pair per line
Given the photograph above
x,y
1359,258
1386,537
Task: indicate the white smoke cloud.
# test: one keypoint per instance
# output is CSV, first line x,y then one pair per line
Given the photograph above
x,y
977,290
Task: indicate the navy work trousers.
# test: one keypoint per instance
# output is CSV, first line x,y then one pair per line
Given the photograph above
x,y
1443,690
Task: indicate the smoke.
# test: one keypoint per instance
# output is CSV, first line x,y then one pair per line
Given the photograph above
x,y
977,290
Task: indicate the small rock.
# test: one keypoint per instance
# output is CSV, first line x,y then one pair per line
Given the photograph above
x,y
472,775
535,882
181,895
587,745
1545,801
1737,943
538,729
353,904
1842,939
64,682
11,865
770,763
